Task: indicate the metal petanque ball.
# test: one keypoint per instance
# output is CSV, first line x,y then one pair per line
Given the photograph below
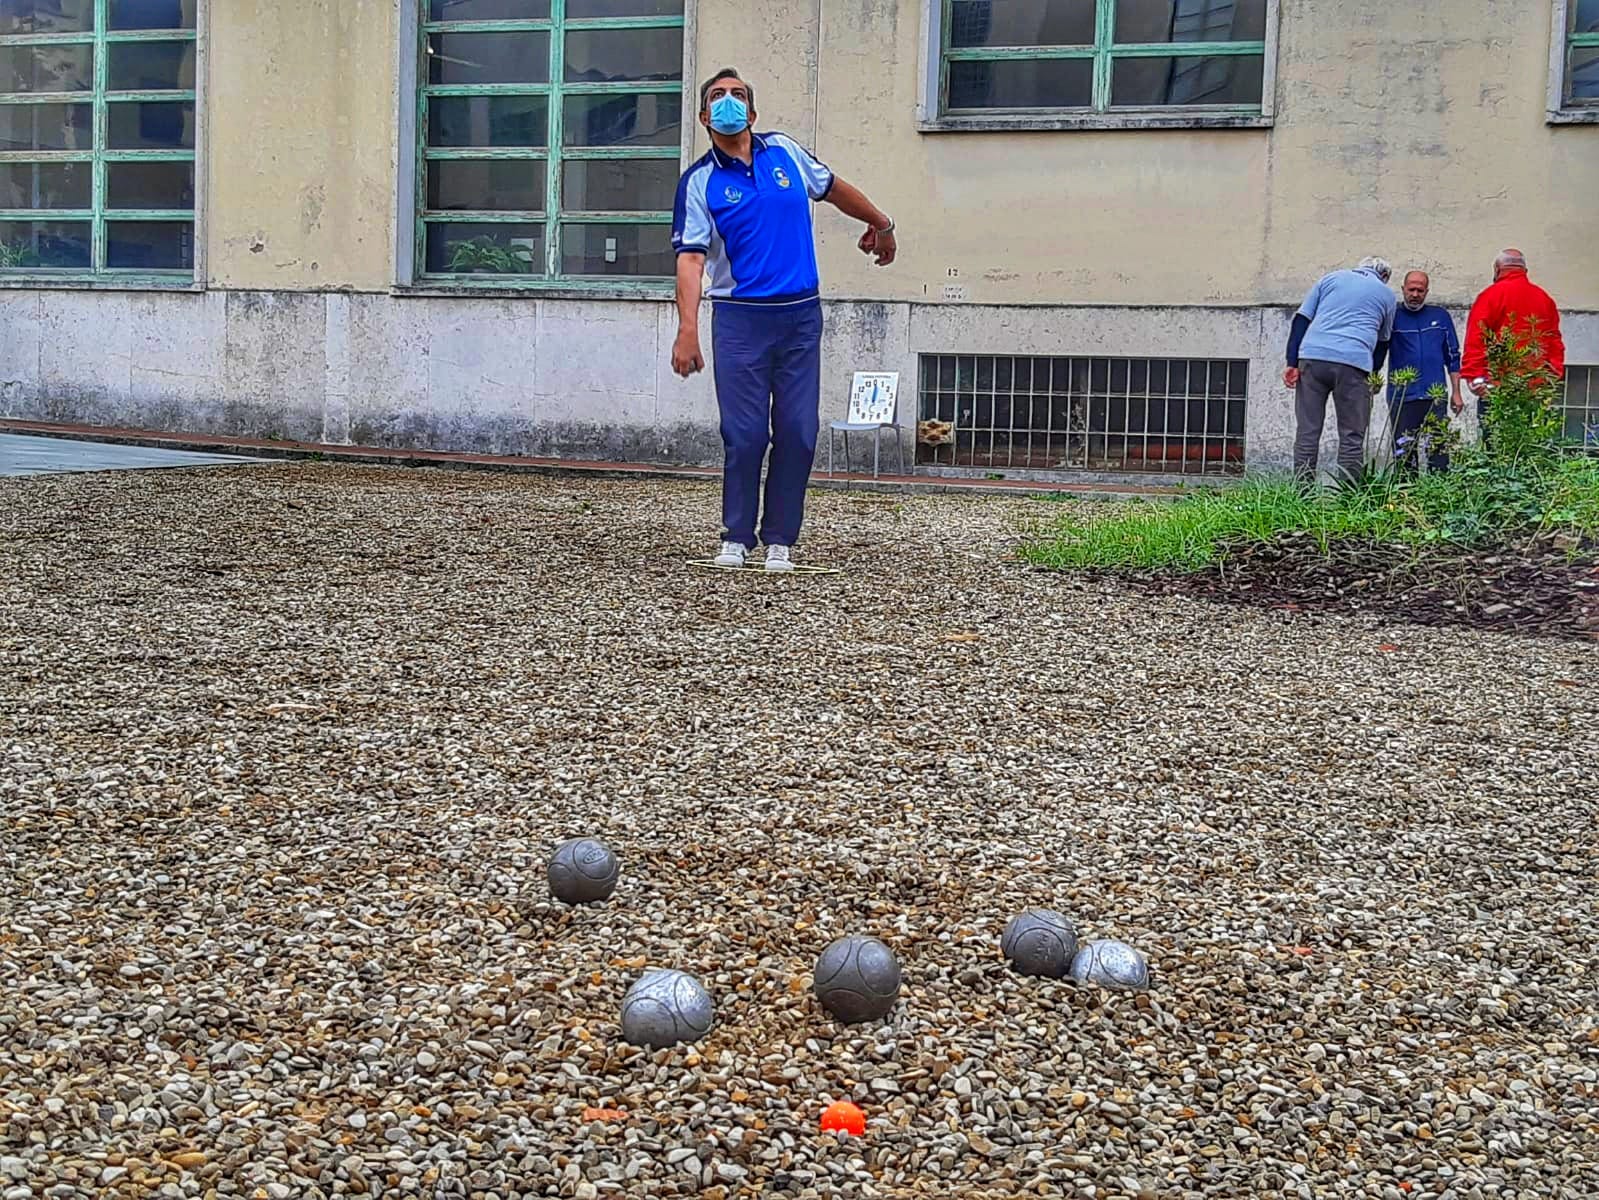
x,y
857,979
582,871
664,1008
1040,942
1111,964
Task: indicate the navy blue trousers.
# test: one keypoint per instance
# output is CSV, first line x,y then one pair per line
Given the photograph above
x,y
1405,420
768,362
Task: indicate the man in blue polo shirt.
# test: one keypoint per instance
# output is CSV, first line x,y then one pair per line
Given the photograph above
x,y
1424,341
744,212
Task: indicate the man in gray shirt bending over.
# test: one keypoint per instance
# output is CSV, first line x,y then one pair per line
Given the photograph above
x,y
1340,332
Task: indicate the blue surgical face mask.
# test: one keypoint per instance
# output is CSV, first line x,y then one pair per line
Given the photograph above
x,y
729,115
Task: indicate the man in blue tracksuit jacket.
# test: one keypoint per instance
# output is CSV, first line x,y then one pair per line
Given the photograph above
x,y
744,212
1425,341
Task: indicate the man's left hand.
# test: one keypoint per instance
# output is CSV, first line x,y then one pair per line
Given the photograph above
x,y
1457,403
882,246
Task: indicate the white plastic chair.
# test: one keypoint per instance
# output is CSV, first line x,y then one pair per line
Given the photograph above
x,y
873,401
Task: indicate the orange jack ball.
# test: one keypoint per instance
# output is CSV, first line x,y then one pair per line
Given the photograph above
x,y
844,1117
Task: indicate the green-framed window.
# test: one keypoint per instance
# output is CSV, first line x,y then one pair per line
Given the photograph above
x,y
97,138
1103,56
1582,55
549,140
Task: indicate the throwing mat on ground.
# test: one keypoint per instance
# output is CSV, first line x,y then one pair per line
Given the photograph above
x,y
706,564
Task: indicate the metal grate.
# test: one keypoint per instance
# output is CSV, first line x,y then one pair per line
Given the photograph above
x,y
1581,408
1093,414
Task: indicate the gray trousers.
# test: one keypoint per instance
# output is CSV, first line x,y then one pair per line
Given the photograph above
x,y
1351,396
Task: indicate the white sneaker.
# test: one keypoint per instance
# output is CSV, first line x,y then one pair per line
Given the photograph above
x,y
777,559
732,555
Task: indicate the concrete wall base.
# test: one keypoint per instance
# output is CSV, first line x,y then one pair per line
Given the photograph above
x,y
543,377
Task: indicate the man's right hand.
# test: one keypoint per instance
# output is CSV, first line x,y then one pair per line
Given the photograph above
x,y
686,356
1291,376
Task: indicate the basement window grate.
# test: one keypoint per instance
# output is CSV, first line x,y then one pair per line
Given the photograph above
x,y
1166,415
1581,408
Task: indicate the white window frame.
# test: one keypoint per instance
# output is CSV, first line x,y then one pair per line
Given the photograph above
x,y
931,118
1560,112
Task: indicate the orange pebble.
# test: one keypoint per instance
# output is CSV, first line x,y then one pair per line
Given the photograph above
x,y
844,1117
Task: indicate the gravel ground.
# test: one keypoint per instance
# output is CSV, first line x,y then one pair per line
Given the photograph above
x,y
284,748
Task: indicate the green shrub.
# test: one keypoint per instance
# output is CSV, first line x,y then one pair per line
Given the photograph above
x,y
16,254
484,254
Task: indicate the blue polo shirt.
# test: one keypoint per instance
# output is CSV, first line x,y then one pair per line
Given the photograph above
x,y
753,223
1425,341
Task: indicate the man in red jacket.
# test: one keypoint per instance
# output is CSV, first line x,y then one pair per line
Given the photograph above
x,y
1515,304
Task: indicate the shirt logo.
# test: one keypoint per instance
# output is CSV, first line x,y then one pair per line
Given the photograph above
x,y
782,178
733,195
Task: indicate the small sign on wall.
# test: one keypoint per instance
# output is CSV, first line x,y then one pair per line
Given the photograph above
x,y
872,397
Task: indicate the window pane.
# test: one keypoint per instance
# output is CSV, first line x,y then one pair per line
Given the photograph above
x,y
150,185
623,55
1021,23
1040,83
46,185
617,250
47,127
1582,406
624,8
150,66
1190,21
623,120
1584,83
150,125
489,57
46,16
46,68
488,121
1229,79
153,14
488,10
149,245
28,244
487,186
460,248
1585,16
619,185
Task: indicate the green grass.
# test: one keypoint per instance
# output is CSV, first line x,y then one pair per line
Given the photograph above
x,y
1522,484
1188,533
1574,499
1480,500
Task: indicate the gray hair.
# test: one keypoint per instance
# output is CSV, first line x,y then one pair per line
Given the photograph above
x,y
1510,258
1377,266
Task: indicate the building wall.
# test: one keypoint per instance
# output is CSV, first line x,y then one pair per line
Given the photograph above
x,y
301,144
1422,141
585,378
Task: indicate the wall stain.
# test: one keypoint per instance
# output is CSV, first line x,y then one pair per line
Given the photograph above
x,y
312,201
